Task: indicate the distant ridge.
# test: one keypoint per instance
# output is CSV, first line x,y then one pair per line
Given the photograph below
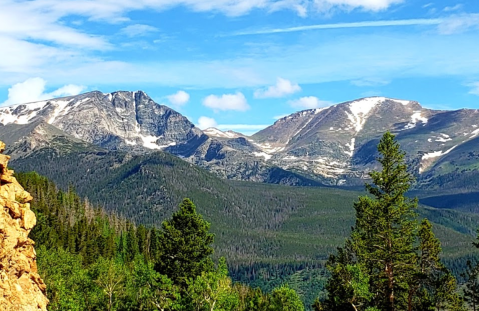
x,y
333,145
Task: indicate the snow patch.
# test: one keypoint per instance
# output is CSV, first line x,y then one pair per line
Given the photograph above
x,y
351,147
436,154
266,147
415,117
359,110
212,131
474,133
150,142
432,155
60,107
263,154
443,138
172,143
25,113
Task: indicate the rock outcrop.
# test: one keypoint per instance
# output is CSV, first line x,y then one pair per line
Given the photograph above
x,y
21,287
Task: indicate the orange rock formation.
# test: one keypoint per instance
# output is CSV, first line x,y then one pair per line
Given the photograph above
x,y
21,288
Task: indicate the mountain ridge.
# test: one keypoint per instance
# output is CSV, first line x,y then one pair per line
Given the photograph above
x,y
333,145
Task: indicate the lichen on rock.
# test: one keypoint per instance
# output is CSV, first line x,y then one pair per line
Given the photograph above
x,y
21,288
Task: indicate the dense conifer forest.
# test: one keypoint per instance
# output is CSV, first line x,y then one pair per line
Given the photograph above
x,y
91,260
95,260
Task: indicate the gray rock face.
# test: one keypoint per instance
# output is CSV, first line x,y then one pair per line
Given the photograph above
x,y
334,145
120,120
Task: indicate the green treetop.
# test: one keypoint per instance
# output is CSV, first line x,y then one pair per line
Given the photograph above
x,y
185,245
385,231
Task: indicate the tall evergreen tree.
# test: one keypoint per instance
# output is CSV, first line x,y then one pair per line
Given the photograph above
x,y
185,245
385,231
399,260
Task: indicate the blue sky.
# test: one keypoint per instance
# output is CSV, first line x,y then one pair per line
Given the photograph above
x,y
239,64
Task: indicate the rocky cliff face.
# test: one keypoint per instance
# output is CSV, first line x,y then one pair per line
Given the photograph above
x,y
21,288
129,121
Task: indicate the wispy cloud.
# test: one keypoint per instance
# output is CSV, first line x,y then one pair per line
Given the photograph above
x,y
366,5
384,23
453,8
474,88
459,23
138,30
30,21
370,82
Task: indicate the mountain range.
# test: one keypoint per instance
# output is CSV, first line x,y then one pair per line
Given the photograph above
x,y
133,157
334,145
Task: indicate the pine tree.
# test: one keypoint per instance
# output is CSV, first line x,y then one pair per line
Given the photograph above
x,y
399,260
385,231
185,245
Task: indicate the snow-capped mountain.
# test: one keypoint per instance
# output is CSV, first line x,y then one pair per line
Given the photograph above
x,y
332,145
119,120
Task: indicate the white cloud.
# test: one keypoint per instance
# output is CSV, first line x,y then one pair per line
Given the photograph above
x,y
67,90
459,23
226,102
137,30
474,88
36,20
180,98
367,5
453,8
282,88
205,122
33,90
309,102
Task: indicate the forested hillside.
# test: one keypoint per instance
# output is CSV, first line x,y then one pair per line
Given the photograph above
x,y
269,223
281,234
91,260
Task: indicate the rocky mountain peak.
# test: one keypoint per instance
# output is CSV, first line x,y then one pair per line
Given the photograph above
x,y
21,288
118,120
